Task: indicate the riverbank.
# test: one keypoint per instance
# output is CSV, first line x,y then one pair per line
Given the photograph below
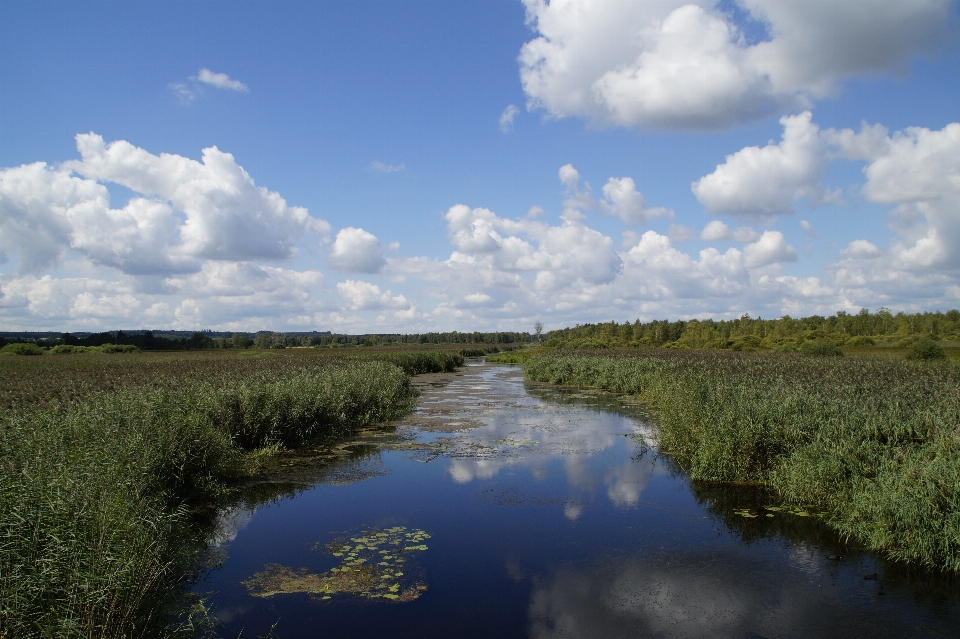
x,y
107,463
873,442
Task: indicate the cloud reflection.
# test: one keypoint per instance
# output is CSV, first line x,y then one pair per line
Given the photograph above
x,y
689,596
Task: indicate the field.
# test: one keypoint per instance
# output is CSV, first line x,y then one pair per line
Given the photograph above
x,y
872,441
109,461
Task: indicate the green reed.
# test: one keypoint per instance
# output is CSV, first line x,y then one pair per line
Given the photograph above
x,y
99,495
876,442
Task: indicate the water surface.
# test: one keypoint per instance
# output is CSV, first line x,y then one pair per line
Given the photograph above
x,y
501,508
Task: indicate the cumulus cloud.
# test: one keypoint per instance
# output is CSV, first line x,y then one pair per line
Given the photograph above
x,y
920,173
186,250
718,231
759,183
771,247
677,64
364,296
356,251
556,254
227,216
220,81
916,171
506,118
620,199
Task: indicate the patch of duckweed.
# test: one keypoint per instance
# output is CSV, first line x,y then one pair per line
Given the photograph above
x,y
794,510
370,566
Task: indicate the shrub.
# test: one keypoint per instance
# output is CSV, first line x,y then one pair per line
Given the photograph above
x,y
21,349
861,340
821,348
925,348
119,348
67,349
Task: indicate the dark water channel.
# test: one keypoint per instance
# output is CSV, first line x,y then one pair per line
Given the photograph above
x,y
505,509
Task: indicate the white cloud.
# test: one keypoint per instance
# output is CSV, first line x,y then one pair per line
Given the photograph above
x,y
569,176
364,296
506,118
758,183
176,254
679,233
380,167
34,202
920,172
718,231
621,199
680,64
220,81
187,92
771,247
862,249
356,251
808,227
183,92
227,216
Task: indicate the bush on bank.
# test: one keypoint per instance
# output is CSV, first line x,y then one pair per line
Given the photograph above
x,y
874,442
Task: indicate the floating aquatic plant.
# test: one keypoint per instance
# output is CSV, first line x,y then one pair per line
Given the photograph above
x,y
371,565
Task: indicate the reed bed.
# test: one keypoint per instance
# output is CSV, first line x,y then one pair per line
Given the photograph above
x,y
103,476
873,441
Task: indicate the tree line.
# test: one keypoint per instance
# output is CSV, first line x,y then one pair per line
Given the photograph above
x,y
149,341
746,333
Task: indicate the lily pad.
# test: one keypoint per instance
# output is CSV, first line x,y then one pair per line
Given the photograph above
x,y
365,571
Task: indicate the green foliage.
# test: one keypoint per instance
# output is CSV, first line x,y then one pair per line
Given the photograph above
x,y
99,494
873,441
821,348
786,334
420,362
925,349
67,349
21,349
516,357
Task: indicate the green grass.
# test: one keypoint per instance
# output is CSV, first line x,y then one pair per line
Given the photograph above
x,y
517,356
874,441
103,478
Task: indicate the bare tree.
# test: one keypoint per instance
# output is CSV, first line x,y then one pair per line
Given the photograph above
x,y
538,327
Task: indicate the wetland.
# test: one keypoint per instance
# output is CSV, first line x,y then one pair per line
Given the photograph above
x,y
504,507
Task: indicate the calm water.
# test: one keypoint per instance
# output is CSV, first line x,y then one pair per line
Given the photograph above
x,y
530,511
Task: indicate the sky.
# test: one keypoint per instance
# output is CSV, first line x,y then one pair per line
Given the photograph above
x,y
421,165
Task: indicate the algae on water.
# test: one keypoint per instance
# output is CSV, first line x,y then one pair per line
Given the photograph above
x,y
371,565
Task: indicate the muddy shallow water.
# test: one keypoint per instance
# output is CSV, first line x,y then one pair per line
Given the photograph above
x,y
500,508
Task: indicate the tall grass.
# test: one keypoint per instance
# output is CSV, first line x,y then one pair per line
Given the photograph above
x,y
876,442
98,495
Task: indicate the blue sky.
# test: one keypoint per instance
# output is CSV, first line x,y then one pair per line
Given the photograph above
x,y
411,166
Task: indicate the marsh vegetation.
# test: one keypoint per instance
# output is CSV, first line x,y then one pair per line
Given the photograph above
x,y
873,442
109,463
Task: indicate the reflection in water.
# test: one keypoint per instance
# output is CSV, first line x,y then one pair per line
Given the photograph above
x,y
548,517
229,522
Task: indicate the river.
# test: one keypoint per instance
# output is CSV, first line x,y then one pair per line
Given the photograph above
x,y
501,508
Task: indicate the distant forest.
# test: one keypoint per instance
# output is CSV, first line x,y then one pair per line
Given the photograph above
x,y
747,333
882,328
175,341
